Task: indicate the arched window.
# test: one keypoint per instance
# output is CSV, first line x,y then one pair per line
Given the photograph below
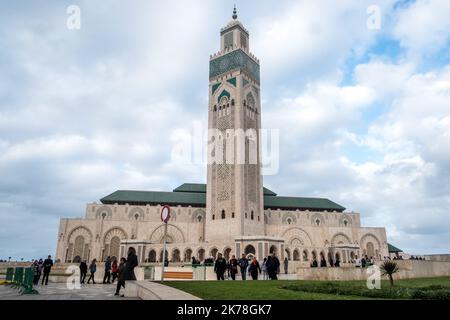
x,y
345,222
305,255
289,221
215,108
232,102
152,256
213,216
223,214
258,219
232,214
317,222
251,215
103,215
187,255
136,216
246,215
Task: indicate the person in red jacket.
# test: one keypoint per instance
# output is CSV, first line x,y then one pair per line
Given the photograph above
x,y
114,269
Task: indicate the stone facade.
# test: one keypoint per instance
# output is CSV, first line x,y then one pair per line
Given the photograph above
x,y
109,229
235,216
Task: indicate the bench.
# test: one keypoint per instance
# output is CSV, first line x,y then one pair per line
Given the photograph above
x,y
178,275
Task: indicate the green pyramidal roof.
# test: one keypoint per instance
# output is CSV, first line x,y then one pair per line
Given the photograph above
x,y
194,194
391,248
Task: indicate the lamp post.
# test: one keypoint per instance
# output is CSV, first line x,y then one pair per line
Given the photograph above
x,y
165,216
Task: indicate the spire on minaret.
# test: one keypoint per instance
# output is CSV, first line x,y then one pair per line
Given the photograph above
x,y
234,16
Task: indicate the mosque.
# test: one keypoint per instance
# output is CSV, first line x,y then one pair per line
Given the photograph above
x,y
232,213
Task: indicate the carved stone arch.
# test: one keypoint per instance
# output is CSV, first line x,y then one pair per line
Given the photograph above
x,y
103,211
227,252
296,241
136,211
250,98
367,238
317,217
224,93
197,214
340,238
174,234
80,230
175,255
200,254
187,254
345,217
213,251
79,242
296,232
289,217
114,231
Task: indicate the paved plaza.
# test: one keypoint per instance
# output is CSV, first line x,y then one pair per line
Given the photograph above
x,y
59,291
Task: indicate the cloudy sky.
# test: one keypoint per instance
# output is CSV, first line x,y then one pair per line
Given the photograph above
x,y
363,113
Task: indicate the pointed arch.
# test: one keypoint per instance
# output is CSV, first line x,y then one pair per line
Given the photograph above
x,y
340,238
293,233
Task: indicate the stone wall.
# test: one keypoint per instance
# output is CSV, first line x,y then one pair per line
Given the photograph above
x,y
408,269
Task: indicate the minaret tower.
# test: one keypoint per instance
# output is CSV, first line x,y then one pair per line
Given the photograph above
x,y
234,188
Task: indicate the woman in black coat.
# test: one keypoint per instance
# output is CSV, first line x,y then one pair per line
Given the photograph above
x,y
132,262
254,269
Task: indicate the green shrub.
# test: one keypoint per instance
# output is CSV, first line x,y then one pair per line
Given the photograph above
x,y
433,292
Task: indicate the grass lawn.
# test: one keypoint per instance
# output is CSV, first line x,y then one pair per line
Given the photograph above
x,y
278,290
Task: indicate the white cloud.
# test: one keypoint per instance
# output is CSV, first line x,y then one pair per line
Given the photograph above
x,y
83,113
423,27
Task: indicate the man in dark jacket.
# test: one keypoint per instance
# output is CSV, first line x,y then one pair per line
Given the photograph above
x,y
220,266
48,264
120,275
132,262
243,264
233,265
273,267
107,276
83,271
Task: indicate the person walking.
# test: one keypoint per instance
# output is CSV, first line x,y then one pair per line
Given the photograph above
x,y
220,266
47,268
132,262
92,270
264,269
243,264
114,269
83,271
107,276
120,275
254,269
273,267
233,265
286,265
36,274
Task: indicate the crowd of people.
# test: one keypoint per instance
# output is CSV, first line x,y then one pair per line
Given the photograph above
x,y
122,270
269,268
42,268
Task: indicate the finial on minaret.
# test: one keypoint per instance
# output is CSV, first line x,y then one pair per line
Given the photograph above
x,y
234,16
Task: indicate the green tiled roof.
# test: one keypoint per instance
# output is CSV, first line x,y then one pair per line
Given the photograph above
x,y
391,248
201,187
191,187
301,203
155,197
194,194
